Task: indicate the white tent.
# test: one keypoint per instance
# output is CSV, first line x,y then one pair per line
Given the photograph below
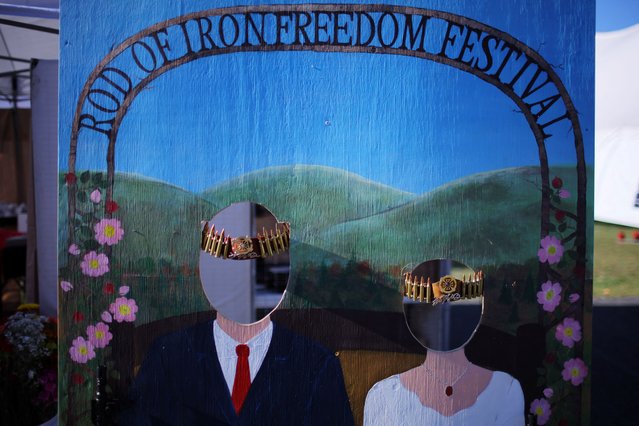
x,y
617,127
28,30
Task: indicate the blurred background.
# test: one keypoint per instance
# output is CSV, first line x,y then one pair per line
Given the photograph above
x,y
29,178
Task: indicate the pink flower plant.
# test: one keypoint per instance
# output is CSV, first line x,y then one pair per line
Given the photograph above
x,y
548,393
574,297
124,290
551,250
549,296
95,196
106,317
66,286
108,231
49,387
564,193
74,249
568,332
99,335
541,408
574,371
82,350
123,309
94,264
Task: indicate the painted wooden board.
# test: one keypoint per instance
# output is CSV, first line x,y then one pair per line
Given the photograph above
x,y
386,135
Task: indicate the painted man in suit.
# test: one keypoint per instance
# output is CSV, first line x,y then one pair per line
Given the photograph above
x,y
182,382
222,372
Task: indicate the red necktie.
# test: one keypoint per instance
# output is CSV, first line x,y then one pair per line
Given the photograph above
x,y
242,381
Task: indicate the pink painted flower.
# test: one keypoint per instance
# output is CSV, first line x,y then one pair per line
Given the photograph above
x,y
564,193
99,335
568,332
551,250
74,250
108,231
106,317
548,393
123,309
124,290
541,408
82,350
574,371
95,196
574,297
66,286
94,264
549,296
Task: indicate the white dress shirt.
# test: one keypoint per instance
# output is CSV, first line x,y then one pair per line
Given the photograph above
x,y
225,346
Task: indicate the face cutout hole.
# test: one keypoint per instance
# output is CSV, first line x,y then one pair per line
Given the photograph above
x,y
446,319
245,286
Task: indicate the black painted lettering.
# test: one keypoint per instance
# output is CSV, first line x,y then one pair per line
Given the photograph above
x,y
162,45
142,52
302,21
411,35
337,28
124,85
360,26
235,30
321,27
88,121
509,53
521,72
103,100
544,105
550,123
281,26
258,33
205,26
467,47
485,46
394,30
449,38
187,40
529,90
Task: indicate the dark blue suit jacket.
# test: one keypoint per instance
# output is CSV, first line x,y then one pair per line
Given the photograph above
x,y
181,383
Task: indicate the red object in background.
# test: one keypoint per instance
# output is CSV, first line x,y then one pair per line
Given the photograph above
x,y
635,235
108,288
111,206
70,178
77,379
557,182
5,234
621,236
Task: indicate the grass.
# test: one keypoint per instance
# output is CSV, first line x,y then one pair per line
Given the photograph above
x,y
616,266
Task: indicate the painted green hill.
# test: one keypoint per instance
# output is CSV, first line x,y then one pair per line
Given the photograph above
x,y
309,197
485,219
161,221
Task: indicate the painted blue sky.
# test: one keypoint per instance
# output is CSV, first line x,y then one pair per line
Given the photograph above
x,y
403,122
614,15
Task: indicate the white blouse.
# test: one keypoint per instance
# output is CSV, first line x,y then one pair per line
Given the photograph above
x,y
389,403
